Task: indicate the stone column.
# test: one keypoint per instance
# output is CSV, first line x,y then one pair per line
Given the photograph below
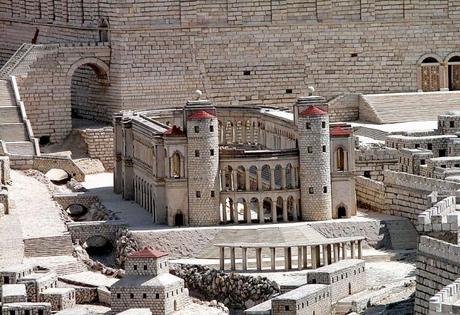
x,y
344,250
224,211
305,257
273,258
325,255
259,258
244,257
315,257
247,179
329,253
232,213
274,215
234,180
247,209
259,179
224,133
235,212
296,210
299,258
336,252
232,258
272,178
261,212
352,249
360,249
222,180
222,258
283,178
285,211
287,259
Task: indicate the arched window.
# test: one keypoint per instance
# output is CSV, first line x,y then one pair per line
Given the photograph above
x,y
454,73
340,160
103,30
176,165
430,75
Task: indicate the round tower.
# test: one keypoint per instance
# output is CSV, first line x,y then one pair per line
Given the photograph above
x,y
203,167
314,159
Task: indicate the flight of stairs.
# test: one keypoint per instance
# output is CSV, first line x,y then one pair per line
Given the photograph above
x,y
405,107
402,234
48,246
13,129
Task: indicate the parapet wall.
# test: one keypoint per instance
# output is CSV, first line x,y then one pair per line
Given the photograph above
x,y
374,160
100,145
370,194
438,265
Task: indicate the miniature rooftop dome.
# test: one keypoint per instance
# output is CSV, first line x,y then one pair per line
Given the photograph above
x,y
338,131
147,252
174,132
311,111
200,115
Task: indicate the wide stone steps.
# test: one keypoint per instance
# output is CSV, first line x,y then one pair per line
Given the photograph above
x,y
406,107
48,246
13,132
20,148
9,114
402,234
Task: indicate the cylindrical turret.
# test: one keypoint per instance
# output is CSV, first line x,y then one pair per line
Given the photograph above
x,y
314,156
203,168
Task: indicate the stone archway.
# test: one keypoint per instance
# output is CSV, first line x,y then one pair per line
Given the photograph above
x,y
179,219
342,212
430,73
88,79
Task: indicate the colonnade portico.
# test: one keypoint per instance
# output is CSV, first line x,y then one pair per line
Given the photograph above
x,y
310,255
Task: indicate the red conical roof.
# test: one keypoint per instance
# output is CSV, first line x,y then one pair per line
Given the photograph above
x,y
201,115
147,252
338,131
312,110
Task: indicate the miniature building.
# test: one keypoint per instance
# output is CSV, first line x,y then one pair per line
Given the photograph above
x,y
308,299
148,284
11,274
13,293
59,298
27,308
344,278
37,282
201,165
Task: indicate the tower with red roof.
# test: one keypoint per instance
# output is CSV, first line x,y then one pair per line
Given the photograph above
x,y
314,159
203,163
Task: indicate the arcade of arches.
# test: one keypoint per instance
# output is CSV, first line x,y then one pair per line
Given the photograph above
x,y
435,74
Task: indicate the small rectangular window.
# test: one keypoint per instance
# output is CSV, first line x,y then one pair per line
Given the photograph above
x,y
131,295
144,295
323,124
211,128
309,149
198,194
157,296
417,145
422,162
452,124
324,148
145,267
118,296
288,91
286,307
308,125
197,129
429,146
246,72
197,153
213,194
135,267
325,189
211,152
311,190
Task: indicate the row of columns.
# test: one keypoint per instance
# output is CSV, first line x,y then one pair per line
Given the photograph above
x,y
331,253
294,182
253,135
260,211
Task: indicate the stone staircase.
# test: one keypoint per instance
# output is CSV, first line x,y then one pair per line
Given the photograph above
x,y
16,137
402,234
405,107
14,61
48,246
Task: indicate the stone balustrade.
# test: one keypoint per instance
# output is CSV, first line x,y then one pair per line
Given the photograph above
x,y
310,254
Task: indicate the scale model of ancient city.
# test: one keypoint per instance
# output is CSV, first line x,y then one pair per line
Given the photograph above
x,y
244,157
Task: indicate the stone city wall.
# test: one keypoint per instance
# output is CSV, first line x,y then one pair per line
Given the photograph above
x,y
373,160
437,144
100,145
438,265
370,194
45,163
234,290
445,301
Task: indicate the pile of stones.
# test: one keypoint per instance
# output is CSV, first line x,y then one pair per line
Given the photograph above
x,y
234,290
126,244
213,303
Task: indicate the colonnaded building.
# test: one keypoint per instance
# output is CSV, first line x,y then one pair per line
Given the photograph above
x,y
91,58
185,164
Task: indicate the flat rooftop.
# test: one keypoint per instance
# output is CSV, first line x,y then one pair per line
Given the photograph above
x,y
301,292
14,290
338,266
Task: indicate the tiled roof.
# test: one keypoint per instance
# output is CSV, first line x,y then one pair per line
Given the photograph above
x,y
174,132
340,132
147,252
200,115
313,111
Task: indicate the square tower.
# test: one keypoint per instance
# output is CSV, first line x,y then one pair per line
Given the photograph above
x,y
147,262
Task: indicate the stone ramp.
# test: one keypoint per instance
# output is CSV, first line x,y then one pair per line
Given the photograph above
x,y
62,265
48,246
402,234
405,107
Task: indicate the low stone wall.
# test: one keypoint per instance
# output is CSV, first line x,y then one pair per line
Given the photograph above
x,y
100,145
22,162
45,163
445,301
370,194
5,177
374,160
234,290
442,217
4,201
438,265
